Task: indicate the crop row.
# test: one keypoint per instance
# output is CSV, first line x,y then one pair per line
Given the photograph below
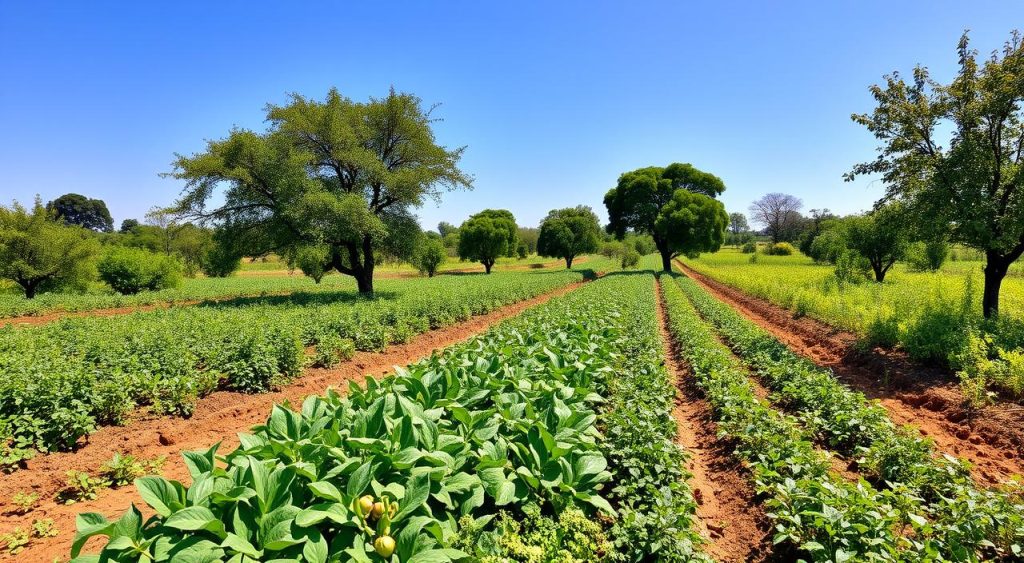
x,y
59,381
963,521
535,441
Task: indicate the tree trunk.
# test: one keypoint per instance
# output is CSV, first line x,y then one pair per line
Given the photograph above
x,y
666,254
487,265
996,266
30,289
364,280
568,262
879,271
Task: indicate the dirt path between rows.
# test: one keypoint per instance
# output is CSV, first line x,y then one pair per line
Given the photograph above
x,y
217,418
727,512
992,440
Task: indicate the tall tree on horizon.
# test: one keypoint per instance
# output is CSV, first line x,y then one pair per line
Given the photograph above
x,y
337,174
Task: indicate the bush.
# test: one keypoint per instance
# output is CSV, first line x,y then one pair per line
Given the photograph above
x,y
828,246
851,267
221,262
312,260
927,256
131,270
779,249
630,258
749,248
431,253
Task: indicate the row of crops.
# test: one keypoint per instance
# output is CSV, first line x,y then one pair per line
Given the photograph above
x,y
59,381
547,438
910,503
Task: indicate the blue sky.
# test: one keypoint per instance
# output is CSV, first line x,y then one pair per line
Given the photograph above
x,y
553,99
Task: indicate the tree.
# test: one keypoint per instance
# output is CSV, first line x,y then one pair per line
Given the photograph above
x,y
880,236
779,213
336,173
40,253
429,256
311,260
488,235
640,196
529,236
692,223
131,270
813,226
568,233
738,223
444,228
970,188
79,210
128,226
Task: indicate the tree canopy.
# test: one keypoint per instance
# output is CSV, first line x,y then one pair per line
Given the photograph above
x,y
692,223
568,233
880,236
40,253
79,210
968,189
487,236
339,174
640,197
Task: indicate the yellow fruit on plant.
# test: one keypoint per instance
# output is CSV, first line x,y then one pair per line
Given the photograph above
x,y
366,504
378,509
384,546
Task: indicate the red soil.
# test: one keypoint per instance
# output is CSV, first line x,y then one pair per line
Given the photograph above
x,y
727,512
217,418
991,439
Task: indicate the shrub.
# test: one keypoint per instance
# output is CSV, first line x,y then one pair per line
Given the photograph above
x,y
779,249
312,260
124,469
749,247
131,270
331,349
630,258
431,253
828,246
927,256
221,262
851,267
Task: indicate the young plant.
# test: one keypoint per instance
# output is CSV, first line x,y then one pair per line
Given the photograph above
x,y
25,502
81,486
124,469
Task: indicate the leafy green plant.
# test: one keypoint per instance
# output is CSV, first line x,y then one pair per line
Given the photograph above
x,y
44,528
81,486
25,502
15,540
124,469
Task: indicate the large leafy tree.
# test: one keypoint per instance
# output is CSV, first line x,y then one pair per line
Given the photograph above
x,y
692,223
641,196
86,212
568,233
334,174
40,253
487,236
970,188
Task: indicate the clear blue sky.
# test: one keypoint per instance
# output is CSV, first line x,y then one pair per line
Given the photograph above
x,y
553,99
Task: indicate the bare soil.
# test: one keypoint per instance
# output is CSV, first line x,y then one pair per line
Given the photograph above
x,y
991,438
217,418
727,511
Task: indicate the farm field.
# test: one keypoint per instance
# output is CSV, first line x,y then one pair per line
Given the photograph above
x,y
65,378
797,283
254,279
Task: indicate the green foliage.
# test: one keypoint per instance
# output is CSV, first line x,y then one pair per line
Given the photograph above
x,y
927,256
966,188
779,249
568,233
313,260
62,379
572,538
639,199
25,502
335,172
487,236
221,261
749,247
629,258
880,236
829,245
39,253
124,469
437,442
131,270
75,209
851,267
16,540
430,255
81,486
332,349
929,493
